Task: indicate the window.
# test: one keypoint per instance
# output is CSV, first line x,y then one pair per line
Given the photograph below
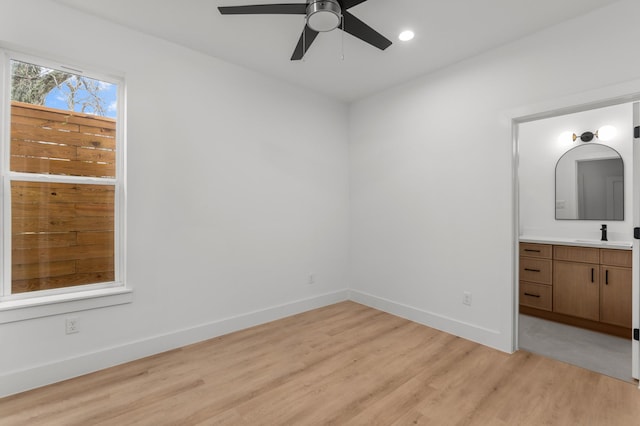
x,y
62,171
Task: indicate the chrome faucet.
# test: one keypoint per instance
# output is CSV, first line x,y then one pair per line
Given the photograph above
x,y
604,232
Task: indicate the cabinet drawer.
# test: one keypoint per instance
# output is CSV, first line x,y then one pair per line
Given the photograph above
x,y
535,295
535,270
615,257
536,250
576,254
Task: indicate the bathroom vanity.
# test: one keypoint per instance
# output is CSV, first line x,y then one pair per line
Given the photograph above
x,y
581,283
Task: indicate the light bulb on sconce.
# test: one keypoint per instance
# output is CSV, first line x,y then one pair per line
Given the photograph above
x,y
565,138
606,133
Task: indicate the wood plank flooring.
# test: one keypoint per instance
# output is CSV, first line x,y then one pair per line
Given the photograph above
x,y
344,364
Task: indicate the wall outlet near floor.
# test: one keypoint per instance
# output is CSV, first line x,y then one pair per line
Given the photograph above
x,y
312,278
72,325
466,298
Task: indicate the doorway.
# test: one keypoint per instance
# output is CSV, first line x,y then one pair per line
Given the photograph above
x,y
540,143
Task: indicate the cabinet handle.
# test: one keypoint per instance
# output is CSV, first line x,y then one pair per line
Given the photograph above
x,y
532,270
606,277
535,251
532,295
591,274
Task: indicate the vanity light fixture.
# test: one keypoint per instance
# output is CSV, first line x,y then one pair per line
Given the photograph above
x,y
604,133
585,136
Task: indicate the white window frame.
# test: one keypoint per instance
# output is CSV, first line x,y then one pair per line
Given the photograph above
x,y
23,306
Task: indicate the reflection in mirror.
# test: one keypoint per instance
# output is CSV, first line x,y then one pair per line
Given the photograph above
x,y
590,184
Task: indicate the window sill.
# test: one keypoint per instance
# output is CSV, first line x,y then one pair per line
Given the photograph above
x,y
37,307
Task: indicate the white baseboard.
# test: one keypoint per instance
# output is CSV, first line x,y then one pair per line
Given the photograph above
x,y
473,332
23,380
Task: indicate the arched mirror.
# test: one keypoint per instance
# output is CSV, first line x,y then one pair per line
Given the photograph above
x,y
590,184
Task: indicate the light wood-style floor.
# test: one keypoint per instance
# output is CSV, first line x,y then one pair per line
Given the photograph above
x,y
344,364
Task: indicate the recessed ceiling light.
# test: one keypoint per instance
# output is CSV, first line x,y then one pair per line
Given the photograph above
x,y
406,35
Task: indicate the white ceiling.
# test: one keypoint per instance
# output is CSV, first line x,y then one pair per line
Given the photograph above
x,y
447,31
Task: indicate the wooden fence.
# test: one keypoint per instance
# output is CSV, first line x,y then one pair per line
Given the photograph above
x,y
62,233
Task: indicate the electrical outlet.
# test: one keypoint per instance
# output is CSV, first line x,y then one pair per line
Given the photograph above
x,y
466,298
72,325
312,278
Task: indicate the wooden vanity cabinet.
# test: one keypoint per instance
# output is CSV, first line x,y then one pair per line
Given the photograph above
x,y
582,286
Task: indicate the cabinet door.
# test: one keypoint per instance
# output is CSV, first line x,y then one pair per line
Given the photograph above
x,y
615,295
576,290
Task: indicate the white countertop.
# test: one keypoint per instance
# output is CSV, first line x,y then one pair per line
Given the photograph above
x,y
579,242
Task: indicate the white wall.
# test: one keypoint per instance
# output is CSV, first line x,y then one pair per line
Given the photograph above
x,y
231,201
540,150
432,202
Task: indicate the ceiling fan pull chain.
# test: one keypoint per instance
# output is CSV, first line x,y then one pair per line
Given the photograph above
x,y
304,38
342,39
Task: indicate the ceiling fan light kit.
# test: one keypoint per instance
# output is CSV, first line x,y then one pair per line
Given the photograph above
x,y
323,16
320,16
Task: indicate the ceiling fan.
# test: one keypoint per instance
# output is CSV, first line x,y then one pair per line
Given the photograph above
x,y
321,16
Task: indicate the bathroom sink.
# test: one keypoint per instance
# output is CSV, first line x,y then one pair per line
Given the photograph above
x,y
586,242
613,244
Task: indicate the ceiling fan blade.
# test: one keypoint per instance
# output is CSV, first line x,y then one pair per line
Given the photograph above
x,y
359,29
307,37
265,9
347,4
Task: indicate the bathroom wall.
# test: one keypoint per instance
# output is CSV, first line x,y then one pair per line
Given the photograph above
x,y
541,143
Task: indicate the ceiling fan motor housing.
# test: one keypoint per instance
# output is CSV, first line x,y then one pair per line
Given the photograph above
x,y
324,15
